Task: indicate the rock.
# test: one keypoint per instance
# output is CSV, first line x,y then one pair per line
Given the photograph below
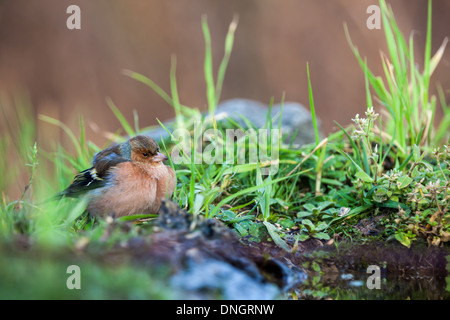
x,y
296,122
220,277
295,117
159,133
210,259
237,109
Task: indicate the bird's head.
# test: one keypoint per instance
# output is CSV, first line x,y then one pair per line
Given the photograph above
x,y
146,150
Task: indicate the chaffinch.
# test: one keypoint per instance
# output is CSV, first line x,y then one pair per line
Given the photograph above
x,y
125,179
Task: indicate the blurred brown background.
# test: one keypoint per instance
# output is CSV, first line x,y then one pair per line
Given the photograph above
x,y
68,73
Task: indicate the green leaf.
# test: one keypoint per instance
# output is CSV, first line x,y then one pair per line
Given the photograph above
x,y
227,215
403,239
198,202
324,205
381,194
394,204
242,231
315,266
309,225
321,226
287,223
352,213
240,168
309,206
363,176
275,236
361,173
302,214
322,236
137,216
403,182
427,165
333,182
416,153
302,237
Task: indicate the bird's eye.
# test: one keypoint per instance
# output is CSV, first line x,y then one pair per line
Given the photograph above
x,y
145,154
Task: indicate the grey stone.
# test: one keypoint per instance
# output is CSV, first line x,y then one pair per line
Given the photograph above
x,y
218,276
236,109
296,118
296,123
159,133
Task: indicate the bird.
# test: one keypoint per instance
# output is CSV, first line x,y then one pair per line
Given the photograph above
x,y
125,179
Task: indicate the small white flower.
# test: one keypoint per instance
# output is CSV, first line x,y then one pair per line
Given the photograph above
x,y
343,211
370,112
356,120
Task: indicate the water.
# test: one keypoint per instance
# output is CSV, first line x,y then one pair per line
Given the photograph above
x,y
397,273
391,288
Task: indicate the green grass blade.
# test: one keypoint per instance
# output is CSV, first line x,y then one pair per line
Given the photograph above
x,y
229,40
174,91
427,55
149,83
366,83
66,129
249,190
354,146
123,121
311,104
208,68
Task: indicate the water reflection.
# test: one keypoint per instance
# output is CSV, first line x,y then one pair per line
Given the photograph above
x,y
425,284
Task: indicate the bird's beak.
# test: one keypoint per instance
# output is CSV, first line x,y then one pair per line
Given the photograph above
x,y
160,157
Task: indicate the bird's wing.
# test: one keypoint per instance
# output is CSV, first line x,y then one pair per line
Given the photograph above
x,y
84,181
96,176
104,162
